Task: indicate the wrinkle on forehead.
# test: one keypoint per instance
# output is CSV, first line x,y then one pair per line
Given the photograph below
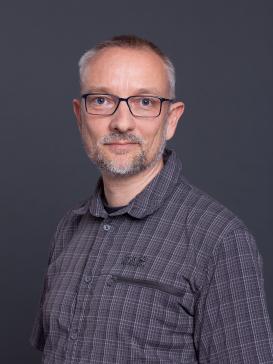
x,y
124,71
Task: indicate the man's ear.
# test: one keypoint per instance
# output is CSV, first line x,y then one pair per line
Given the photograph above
x,y
77,111
175,112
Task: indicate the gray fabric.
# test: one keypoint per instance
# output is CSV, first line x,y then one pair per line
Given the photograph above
x,y
173,277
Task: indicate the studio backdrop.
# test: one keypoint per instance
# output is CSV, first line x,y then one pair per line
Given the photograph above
x,y
223,53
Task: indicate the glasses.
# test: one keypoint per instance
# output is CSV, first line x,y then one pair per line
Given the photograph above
x,y
140,106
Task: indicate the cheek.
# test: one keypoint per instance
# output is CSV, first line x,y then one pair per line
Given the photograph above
x,y
154,135
92,131
150,130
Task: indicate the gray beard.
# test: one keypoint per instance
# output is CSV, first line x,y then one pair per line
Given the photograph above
x,y
139,162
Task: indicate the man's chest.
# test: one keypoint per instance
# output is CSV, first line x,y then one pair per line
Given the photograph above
x,y
124,279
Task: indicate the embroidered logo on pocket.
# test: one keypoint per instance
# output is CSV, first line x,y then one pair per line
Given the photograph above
x,y
134,260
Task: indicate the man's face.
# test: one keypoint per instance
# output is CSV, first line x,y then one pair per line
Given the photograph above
x,y
122,144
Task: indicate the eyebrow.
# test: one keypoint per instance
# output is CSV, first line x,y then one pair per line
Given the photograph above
x,y
141,91
100,90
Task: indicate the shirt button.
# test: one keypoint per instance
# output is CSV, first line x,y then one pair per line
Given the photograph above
x,y
106,227
87,279
109,281
74,335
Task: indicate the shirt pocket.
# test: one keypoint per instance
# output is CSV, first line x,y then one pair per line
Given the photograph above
x,y
149,309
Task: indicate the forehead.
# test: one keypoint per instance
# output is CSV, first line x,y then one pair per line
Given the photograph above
x,y
124,71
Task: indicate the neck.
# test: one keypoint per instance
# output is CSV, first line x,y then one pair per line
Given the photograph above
x,y
119,191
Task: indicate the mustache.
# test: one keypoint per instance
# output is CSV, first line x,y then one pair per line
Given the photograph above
x,y
116,137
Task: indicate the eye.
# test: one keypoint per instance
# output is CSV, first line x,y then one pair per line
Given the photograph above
x,y
100,100
145,101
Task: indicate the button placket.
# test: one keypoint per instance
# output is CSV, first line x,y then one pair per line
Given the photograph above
x,y
88,281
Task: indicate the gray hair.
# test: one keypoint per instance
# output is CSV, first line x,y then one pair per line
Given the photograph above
x,y
129,41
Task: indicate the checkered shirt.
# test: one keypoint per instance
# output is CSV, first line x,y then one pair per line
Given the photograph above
x,y
173,277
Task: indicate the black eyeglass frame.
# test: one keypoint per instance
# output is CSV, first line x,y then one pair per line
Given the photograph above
x,y
119,99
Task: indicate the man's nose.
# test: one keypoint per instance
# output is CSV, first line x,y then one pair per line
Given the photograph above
x,y
122,119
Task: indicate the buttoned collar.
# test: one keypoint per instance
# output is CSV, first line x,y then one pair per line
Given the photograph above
x,y
148,200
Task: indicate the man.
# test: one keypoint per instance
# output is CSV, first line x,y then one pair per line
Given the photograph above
x,y
149,269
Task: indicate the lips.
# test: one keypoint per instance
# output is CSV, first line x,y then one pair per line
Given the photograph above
x,y
122,143
119,143
115,147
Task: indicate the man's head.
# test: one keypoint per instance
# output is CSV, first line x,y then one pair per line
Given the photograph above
x,y
120,68
129,42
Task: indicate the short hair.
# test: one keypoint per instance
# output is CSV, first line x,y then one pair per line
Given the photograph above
x,y
134,42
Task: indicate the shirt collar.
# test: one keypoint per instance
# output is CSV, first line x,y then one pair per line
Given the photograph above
x,y
148,200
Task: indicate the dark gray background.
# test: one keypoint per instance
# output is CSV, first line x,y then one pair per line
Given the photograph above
x,y
223,54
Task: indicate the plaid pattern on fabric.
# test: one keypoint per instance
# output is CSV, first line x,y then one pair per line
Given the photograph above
x,y
173,277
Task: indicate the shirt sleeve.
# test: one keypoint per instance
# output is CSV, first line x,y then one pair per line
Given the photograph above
x,y
232,322
37,337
